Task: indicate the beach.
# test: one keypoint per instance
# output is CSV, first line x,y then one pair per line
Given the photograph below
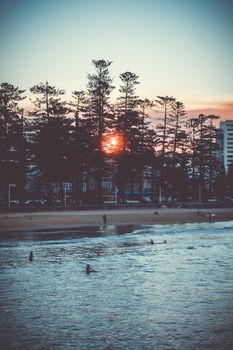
x,y
39,221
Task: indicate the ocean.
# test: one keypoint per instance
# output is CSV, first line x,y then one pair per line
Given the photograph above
x,y
176,295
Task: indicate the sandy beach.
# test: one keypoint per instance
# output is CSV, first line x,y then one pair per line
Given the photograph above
x,y
34,221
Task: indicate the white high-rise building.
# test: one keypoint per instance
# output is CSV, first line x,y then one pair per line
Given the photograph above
x,y
226,128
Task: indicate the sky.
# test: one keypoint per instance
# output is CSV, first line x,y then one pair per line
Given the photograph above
x,y
180,48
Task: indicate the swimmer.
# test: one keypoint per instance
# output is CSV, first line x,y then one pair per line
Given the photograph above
x,y
89,269
30,256
163,242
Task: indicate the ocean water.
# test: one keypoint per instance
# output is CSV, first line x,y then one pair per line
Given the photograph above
x,y
177,295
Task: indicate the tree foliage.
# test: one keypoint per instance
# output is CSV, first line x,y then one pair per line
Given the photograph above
x,y
12,141
61,142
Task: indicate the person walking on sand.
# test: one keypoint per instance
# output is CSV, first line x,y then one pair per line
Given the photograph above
x,y
104,219
89,269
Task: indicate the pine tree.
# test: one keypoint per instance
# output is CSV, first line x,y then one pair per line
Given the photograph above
x,y
146,145
51,136
165,103
77,152
12,141
128,124
177,132
99,90
205,166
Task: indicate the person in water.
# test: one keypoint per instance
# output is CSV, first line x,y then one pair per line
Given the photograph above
x,y
152,242
89,269
30,256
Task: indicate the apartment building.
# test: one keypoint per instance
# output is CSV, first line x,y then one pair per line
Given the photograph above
x,y
226,142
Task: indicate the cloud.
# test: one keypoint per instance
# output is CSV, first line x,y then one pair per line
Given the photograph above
x,y
223,109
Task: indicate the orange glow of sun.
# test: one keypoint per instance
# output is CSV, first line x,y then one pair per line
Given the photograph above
x,y
112,143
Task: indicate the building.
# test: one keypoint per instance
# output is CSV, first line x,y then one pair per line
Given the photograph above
x,y
226,142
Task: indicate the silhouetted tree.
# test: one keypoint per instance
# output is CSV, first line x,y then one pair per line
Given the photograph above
x,y
99,90
177,131
12,141
127,101
146,145
65,141
78,105
128,123
51,135
177,140
165,103
205,166
78,132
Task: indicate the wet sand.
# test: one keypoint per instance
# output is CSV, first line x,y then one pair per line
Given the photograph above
x,y
15,222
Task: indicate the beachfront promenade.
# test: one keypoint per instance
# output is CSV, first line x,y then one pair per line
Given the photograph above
x,y
30,221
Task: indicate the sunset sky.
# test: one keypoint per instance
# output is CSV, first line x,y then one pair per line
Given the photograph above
x,y
182,48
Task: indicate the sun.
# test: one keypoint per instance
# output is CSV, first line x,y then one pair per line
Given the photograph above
x,y
112,143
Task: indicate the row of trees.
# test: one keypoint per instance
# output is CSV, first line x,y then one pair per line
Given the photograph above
x,y
61,141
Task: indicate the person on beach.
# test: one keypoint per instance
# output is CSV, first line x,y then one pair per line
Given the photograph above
x,y
89,269
104,219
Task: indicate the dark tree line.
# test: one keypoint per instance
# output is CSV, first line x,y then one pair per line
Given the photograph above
x,y
61,142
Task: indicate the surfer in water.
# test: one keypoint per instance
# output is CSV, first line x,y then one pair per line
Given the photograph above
x,y
151,241
89,269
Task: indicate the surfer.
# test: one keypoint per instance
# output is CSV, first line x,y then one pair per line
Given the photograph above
x,y
151,241
89,269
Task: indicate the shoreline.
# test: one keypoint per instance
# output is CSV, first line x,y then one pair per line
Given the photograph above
x,y
63,220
